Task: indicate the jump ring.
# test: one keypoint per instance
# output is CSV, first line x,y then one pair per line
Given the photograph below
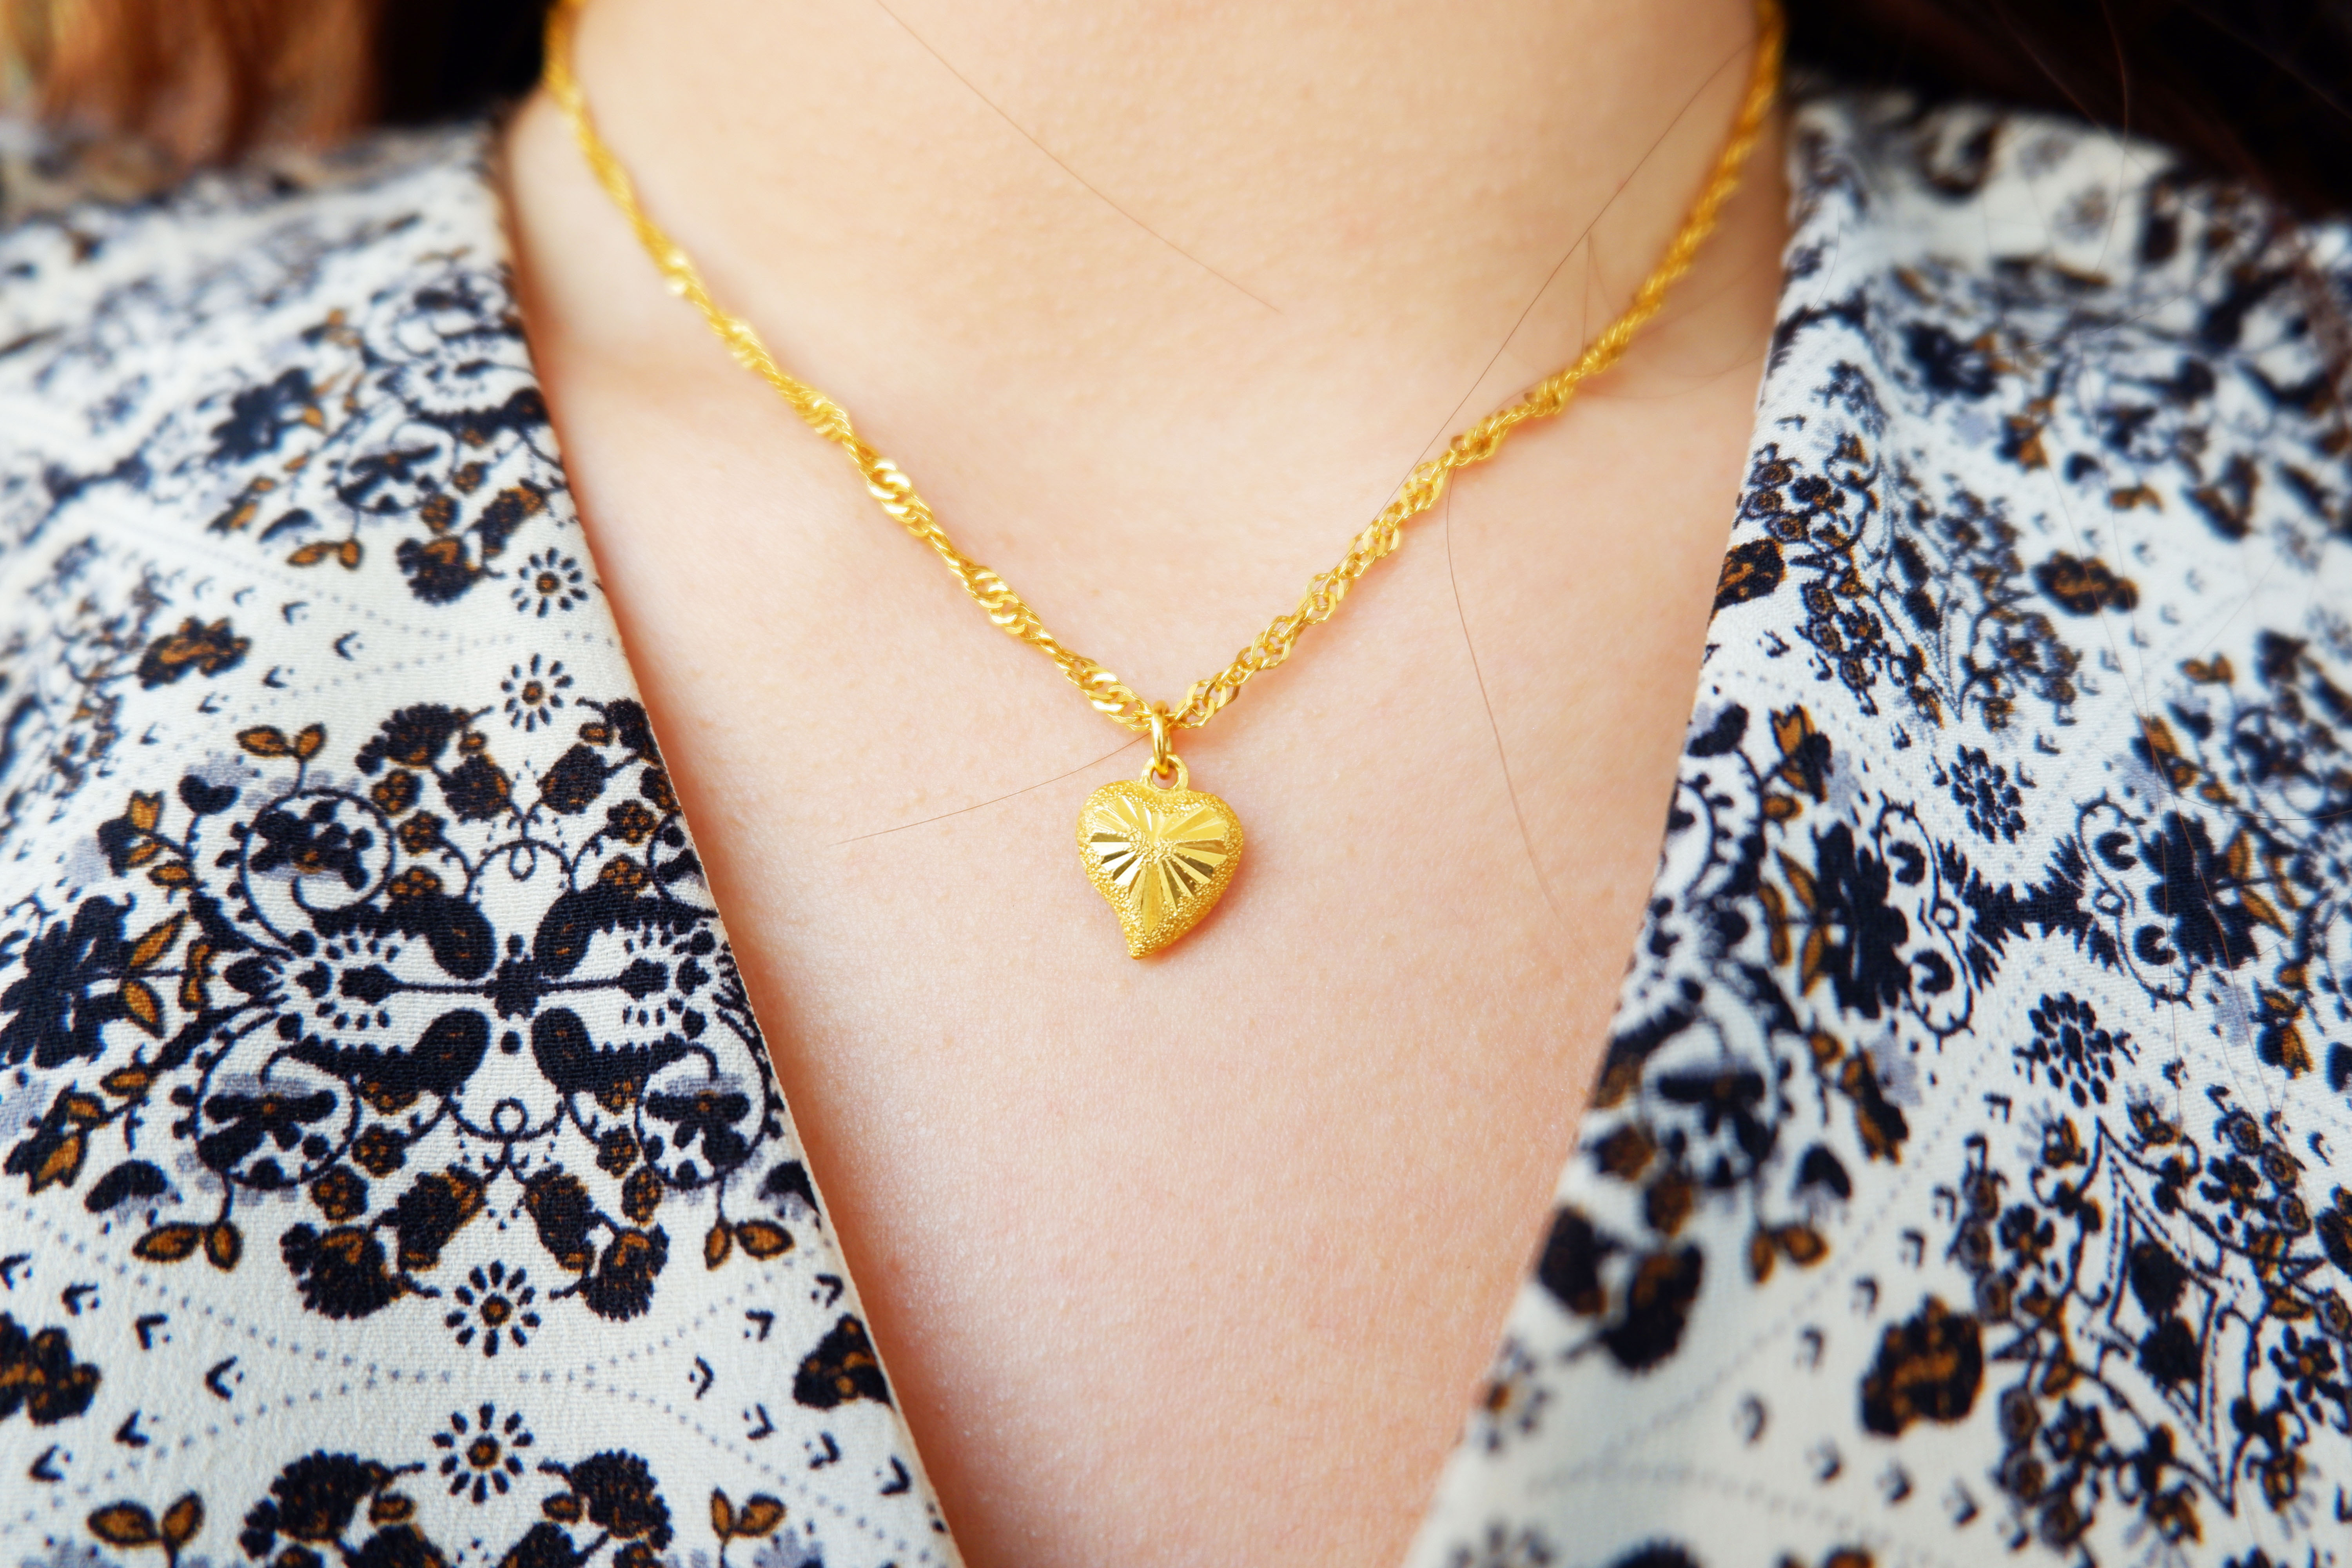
x,y
1152,775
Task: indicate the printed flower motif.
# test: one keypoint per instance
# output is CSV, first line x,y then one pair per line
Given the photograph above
x,y
53,1153
1854,934
622,1285
214,649
340,1194
534,694
39,1376
412,737
2070,1051
641,1194
312,845
380,1151
396,792
483,1454
247,1120
842,1368
709,1115
2309,1363
476,789
342,1273
437,569
493,1302
2194,889
575,783
1513,1402
618,1493
550,580
630,822
58,1013
313,1501
1929,1367
1991,798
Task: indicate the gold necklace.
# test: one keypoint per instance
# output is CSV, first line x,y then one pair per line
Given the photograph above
x,y
1159,851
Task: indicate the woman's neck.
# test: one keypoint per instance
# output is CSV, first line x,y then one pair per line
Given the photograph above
x,y
1026,242
1100,169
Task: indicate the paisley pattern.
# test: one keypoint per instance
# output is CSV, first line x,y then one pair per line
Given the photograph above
x,y
391,1169
1962,1180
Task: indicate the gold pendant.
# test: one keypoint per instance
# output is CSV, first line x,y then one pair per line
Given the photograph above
x,y
1160,854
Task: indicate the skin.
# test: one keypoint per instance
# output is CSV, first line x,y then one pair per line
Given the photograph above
x,y
1197,1260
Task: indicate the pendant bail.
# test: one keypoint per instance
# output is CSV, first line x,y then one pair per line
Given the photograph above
x,y
1164,761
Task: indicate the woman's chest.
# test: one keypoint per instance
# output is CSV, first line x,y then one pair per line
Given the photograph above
x,y
1239,1220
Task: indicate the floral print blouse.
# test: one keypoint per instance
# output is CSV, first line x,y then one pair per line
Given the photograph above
x,y
390,1171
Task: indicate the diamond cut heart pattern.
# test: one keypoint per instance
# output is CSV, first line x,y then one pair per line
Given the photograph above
x,y
1160,857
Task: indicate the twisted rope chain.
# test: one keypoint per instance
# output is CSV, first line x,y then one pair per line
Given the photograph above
x,y
1421,490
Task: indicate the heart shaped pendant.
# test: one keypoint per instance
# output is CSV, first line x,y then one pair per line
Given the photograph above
x,y
1160,857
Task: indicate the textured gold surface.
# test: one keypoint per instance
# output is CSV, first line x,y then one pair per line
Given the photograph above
x,y
1160,857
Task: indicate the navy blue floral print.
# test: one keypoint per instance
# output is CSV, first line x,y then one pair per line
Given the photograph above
x,y
366,1028
1964,1181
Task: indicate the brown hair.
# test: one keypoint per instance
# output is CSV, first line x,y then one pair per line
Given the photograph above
x,y
205,80
2253,90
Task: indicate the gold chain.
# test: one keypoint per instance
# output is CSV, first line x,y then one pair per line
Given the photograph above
x,y
1421,490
